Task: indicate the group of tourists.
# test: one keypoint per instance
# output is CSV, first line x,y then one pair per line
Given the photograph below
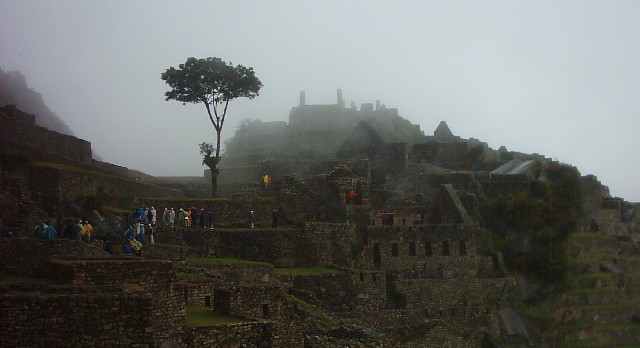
x,y
80,231
145,215
45,231
193,217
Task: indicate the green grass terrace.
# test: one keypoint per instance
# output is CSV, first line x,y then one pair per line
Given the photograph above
x,y
204,261
315,270
198,316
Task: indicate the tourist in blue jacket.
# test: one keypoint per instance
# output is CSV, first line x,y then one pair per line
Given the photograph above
x,y
50,232
130,233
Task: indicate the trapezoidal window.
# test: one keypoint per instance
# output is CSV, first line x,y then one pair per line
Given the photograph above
x,y
387,219
462,246
265,310
445,248
377,262
428,249
412,249
394,249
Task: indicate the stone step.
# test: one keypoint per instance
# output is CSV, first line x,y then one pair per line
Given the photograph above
x,y
599,280
600,297
608,313
593,263
609,335
594,296
583,265
626,281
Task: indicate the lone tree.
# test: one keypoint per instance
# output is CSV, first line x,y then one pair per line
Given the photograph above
x,y
212,82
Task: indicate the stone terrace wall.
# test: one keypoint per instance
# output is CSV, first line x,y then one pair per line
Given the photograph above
x,y
111,168
444,335
322,244
450,155
462,302
76,320
164,252
330,244
28,257
505,184
281,248
236,273
48,183
465,303
167,309
19,134
334,292
82,184
251,334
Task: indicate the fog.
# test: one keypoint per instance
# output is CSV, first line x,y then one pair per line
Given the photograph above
x,y
556,78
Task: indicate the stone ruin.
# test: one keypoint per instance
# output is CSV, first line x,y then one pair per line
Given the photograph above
x,y
405,263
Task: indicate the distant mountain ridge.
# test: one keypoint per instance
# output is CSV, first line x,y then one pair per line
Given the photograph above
x,y
14,90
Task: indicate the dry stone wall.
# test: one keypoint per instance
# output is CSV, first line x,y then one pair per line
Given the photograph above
x,y
236,273
200,292
55,189
76,320
29,257
157,278
334,292
251,334
20,135
323,244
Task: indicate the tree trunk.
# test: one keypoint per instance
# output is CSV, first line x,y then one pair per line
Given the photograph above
x,y
212,163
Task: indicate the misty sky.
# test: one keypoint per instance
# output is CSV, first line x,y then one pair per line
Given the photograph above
x,y
561,78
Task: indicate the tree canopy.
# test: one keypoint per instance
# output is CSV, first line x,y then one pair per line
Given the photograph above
x,y
212,82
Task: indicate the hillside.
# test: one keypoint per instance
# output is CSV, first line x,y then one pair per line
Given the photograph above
x,y
14,90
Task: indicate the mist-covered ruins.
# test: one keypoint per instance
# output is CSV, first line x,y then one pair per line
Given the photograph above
x,y
387,237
